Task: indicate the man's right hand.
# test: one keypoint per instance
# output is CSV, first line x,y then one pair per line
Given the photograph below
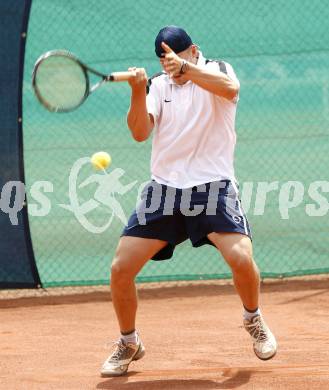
x,y
139,80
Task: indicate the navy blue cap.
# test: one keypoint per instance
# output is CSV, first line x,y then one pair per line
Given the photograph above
x,y
175,37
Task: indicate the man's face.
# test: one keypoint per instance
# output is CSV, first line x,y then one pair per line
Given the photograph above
x,y
191,55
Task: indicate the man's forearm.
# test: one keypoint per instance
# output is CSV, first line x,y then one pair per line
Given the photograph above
x,y
215,82
138,119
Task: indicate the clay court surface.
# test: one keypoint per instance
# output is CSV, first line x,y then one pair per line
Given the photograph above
x,y
192,334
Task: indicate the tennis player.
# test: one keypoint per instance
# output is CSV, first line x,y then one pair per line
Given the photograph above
x,y
190,107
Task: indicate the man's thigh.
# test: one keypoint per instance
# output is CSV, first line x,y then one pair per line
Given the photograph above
x,y
233,246
133,252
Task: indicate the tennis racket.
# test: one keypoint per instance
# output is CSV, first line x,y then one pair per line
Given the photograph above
x,y
61,81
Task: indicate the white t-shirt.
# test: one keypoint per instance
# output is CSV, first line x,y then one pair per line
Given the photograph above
x,y
194,133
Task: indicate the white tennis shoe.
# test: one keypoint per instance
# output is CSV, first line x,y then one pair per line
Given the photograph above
x,y
118,362
264,342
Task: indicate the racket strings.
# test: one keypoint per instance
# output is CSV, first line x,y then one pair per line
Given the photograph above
x,y
61,83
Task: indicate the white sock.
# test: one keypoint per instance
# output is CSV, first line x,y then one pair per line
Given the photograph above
x,y
130,338
247,315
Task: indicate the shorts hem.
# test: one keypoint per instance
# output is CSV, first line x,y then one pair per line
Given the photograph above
x,y
165,253
204,240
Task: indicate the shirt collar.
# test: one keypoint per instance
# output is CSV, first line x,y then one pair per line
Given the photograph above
x,y
201,60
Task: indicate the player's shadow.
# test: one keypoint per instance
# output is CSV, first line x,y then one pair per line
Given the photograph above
x,y
237,379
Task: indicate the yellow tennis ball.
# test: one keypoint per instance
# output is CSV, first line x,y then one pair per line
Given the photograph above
x,y
100,160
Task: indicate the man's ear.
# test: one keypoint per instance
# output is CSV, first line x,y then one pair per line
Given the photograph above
x,y
195,50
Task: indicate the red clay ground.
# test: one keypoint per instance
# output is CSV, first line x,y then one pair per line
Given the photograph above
x,y
193,337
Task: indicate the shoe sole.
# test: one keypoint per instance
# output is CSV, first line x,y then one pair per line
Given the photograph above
x,y
139,354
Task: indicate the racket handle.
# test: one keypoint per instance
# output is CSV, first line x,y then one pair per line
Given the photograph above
x,y
121,76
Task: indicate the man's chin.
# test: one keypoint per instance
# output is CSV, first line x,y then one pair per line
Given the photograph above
x,y
180,80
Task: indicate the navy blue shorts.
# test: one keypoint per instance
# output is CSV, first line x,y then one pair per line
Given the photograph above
x,y
174,215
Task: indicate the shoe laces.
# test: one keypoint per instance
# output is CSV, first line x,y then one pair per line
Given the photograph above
x,y
120,348
257,330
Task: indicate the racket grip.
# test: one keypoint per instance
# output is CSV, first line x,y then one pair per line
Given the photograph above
x,y
121,76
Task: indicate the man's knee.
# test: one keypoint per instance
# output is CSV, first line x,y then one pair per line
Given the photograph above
x,y
120,271
240,259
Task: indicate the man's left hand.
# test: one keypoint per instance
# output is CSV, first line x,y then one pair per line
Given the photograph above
x,y
171,62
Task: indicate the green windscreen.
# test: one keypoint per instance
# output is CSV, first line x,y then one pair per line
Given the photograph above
x,y
280,53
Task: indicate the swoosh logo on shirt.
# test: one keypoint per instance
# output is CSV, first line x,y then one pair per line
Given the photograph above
x,y
167,101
